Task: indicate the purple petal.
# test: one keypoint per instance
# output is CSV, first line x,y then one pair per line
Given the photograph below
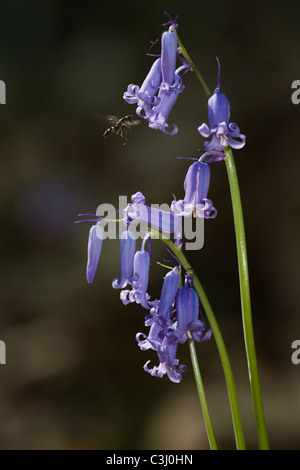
x,y
154,339
157,371
124,294
131,95
141,269
94,251
168,56
127,251
138,198
168,293
153,79
234,133
168,96
204,130
196,184
187,306
218,109
211,157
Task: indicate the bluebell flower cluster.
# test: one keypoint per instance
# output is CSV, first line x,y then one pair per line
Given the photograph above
x,y
162,86
174,318
197,180
135,265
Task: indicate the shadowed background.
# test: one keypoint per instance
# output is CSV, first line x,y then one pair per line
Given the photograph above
x,y
74,376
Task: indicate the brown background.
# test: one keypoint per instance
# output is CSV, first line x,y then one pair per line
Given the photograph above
x,y
74,376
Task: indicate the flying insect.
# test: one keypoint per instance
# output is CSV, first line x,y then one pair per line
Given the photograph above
x,y
121,126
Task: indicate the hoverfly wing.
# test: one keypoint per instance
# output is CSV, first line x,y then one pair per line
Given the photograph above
x,y
107,118
110,118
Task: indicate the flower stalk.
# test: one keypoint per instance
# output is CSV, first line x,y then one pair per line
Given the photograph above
x,y
243,279
194,69
246,300
202,397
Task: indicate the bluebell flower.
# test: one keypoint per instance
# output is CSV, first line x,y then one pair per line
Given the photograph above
x,y
168,330
161,313
159,91
170,87
127,252
140,280
223,133
188,325
196,186
94,251
96,235
144,96
168,363
148,217
168,95
168,55
168,294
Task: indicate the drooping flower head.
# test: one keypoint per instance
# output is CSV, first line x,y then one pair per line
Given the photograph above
x,y
188,325
159,91
149,217
196,186
139,283
127,252
96,235
173,320
161,313
170,87
168,294
94,251
144,96
223,133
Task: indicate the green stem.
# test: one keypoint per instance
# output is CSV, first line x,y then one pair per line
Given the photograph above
x,y
244,279
245,299
185,54
236,418
201,393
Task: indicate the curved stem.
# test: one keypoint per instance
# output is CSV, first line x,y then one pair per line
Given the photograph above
x,y
244,279
202,397
184,53
245,299
235,412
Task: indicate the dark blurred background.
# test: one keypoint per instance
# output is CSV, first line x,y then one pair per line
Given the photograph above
x,y
74,376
